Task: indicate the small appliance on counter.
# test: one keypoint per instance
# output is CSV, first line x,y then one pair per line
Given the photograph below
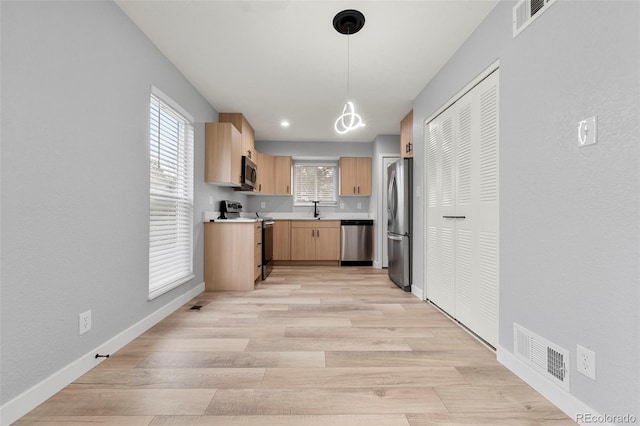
x,y
230,210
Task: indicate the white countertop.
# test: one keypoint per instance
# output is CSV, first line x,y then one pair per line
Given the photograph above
x,y
326,216
208,216
245,217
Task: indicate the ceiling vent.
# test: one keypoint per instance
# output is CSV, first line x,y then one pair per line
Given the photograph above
x,y
526,11
548,359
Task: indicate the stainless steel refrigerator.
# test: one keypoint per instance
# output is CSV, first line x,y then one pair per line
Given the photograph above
x,y
399,211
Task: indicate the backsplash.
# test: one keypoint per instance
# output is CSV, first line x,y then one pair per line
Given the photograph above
x,y
284,204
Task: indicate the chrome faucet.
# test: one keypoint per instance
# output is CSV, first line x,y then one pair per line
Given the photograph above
x,y
316,212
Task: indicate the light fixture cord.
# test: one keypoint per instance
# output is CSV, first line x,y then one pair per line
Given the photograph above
x,y
348,62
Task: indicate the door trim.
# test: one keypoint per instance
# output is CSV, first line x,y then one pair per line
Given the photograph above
x,y
467,88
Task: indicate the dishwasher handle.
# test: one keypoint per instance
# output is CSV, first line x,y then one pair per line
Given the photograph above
x,y
356,222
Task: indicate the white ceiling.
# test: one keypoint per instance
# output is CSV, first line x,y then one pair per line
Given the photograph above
x,y
275,60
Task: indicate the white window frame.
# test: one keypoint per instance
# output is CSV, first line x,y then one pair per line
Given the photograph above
x,y
170,253
310,163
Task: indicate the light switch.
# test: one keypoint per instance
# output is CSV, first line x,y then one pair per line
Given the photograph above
x,y
588,132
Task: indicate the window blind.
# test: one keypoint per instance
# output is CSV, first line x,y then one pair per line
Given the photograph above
x,y
315,182
170,198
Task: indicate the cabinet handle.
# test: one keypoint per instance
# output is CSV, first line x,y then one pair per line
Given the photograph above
x,y
354,189
358,190
287,189
260,187
408,147
313,233
317,233
454,217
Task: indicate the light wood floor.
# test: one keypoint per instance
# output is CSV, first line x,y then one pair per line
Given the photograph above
x,y
311,346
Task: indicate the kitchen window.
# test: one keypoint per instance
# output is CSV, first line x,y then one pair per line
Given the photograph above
x,y
315,181
170,195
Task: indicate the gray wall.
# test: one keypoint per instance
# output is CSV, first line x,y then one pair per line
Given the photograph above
x,y
76,80
309,150
569,229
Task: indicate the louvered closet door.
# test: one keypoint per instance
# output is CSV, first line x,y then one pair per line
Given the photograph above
x,y
488,216
440,203
462,250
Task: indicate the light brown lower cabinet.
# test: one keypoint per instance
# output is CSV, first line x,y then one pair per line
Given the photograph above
x,y
228,263
257,250
315,240
281,240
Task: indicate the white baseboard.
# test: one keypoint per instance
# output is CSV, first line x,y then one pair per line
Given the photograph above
x,y
31,398
566,402
417,291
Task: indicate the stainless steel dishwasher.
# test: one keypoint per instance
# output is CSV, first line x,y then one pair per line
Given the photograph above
x,y
356,242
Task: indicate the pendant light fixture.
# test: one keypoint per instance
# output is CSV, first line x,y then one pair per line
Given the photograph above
x,y
348,22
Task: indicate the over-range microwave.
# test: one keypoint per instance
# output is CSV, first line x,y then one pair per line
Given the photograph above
x,y
249,174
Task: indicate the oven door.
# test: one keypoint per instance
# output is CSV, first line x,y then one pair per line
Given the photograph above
x,y
249,173
267,248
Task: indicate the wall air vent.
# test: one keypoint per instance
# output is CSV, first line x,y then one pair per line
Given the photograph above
x,y
546,358
526,11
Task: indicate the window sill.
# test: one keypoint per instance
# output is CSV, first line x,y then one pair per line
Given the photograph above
x,y
168,287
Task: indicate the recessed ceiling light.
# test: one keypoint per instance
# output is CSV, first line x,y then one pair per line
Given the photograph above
x,y
285,123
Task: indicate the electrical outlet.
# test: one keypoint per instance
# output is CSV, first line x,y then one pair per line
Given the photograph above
x,y
359,206
84,322
210,200
263,204
342,205
586,362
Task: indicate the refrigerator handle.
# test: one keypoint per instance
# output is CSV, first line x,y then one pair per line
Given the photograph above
x,y
392,196
394,238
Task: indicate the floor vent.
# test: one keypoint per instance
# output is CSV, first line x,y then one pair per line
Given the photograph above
x,y
548,359
526,11
198,305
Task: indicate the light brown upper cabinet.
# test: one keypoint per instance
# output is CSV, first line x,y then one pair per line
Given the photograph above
x,y
265,181
282,185
223,154
245,129
274,174
355,176
406,136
